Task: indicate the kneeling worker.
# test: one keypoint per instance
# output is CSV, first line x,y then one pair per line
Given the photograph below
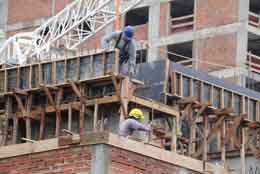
x,y
132,123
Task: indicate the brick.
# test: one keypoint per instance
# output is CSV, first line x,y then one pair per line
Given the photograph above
x,y
126,162
212,13
217,50
55,161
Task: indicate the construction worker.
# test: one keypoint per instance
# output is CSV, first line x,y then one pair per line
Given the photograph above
x,y
127,50
132,123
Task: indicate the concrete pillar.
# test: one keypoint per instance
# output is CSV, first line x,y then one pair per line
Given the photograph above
x,y
99,160
3,13
3,19
242,36
153,30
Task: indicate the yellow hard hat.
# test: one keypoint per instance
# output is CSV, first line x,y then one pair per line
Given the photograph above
x,y
137,113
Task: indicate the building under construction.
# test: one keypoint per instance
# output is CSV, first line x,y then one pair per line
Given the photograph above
x,y
197,79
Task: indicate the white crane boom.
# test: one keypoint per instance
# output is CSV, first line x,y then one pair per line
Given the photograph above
x,y
72,26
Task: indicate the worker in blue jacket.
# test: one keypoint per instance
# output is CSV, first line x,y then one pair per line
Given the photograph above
x,y
125,42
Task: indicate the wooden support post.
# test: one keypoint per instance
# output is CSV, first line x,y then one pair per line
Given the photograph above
x,y
102,121
30,77
42,124
223,143
242,151
28,120
69,117
8,108
15,130
205,142
116,68
104,63
174,135
122,95
28,128
82,118
167,75
40,74
5,132
95,117
181,85
54,70
18,78
5,82
192,144
173,83
78,69
58,120
58,112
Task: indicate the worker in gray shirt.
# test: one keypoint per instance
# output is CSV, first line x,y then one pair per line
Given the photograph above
x,y
132,123
127,49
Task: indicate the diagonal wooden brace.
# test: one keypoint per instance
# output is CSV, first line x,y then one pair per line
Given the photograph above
x,y
77,91
48,94
232,131
20,103
212,134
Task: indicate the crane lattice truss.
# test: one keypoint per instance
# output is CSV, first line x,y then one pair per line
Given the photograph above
x,y
69,28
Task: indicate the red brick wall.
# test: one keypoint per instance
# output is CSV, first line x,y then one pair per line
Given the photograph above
x,y
219,49
61,4
26,10
94,42
141,32
211,13
126,162
62,161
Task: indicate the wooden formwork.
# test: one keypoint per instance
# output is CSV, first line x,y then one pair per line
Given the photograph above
x,y
214,114
88,85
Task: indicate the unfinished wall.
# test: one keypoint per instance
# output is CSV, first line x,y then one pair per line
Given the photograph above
x,y
217,50
94,159
69,161
212,13
126,162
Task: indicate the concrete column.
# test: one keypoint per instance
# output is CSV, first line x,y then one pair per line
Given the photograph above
x,y
153,29
242,37
3,19
99,160
3,13
195,55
